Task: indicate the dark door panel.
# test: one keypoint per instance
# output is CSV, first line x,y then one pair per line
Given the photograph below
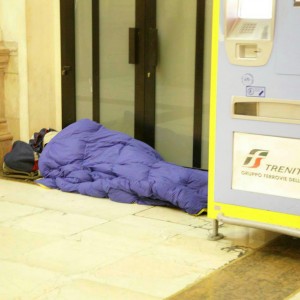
x,y
67,20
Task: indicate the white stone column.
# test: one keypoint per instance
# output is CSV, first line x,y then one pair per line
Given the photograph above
x,y
5,137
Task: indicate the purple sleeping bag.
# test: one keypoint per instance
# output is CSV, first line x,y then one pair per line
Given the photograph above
x,y
89,159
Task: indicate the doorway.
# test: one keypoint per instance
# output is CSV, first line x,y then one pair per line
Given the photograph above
x,y
136,66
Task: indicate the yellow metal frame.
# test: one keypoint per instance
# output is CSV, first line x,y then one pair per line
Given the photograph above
x,y
215,208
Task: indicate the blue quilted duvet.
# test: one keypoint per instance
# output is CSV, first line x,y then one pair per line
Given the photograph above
x,y
89,159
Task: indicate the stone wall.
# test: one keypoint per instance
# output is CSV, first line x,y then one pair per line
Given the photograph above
x,y
5,136
31,31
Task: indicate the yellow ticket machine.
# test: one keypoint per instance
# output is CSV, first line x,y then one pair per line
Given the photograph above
x,y
254,159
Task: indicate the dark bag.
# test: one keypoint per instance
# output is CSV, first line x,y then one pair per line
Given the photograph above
x,y
21,162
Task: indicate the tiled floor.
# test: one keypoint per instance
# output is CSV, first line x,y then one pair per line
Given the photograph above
x,y
56,245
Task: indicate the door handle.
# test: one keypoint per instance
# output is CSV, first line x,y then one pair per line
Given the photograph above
x,y
133,45
153,47
65,70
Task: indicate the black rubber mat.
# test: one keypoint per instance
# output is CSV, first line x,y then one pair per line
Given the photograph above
x,y
269,273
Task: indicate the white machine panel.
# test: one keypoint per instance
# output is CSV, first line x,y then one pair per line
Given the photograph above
x,y
266,164
258,107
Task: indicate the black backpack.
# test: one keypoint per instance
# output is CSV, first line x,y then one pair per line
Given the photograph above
x,y
21,162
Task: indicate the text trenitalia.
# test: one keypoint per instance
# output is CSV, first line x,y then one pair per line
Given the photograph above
x,y
283,169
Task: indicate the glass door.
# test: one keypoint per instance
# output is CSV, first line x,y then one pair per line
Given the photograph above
x,y
139,70
175,80
117,76
83,59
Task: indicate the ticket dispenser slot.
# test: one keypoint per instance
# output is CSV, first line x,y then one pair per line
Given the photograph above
x,y
249,31
266,109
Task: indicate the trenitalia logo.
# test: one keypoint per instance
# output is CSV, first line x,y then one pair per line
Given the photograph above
x,y
254,158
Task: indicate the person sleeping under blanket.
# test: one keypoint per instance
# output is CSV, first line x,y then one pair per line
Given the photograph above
x,y
89,159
